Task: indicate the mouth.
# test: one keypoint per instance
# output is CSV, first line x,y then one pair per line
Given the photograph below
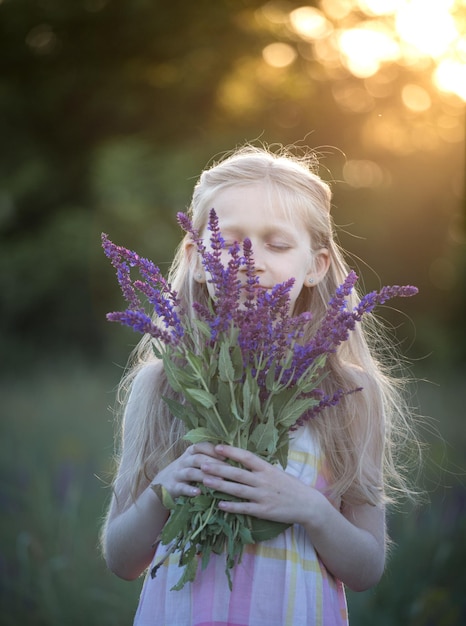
x,y
258,288
255,286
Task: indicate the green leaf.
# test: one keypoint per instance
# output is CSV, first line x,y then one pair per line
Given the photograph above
x,y
283,446
176,376
196,364
201,502
246,392
196,435
211,358
262,529
314,382
293,411
164,496
176,523
237,360
203,328
228,412
201,396
223,398
188,555
189,574
225,364
270,378
281,399
245,534
181,411
264,437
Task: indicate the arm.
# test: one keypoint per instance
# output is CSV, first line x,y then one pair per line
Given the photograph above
x,y
133,525
350,542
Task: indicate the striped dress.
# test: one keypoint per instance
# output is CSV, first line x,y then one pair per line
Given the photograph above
x,y
279,582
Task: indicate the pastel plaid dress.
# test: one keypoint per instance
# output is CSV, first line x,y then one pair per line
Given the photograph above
x,y
280,582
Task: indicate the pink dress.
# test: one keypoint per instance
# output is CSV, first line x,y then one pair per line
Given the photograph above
x,y
279,582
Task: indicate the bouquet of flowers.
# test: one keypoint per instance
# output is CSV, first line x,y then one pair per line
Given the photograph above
x,y
242,374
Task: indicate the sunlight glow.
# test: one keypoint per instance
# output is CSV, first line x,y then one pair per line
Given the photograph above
x,y
310,23
337,9
279,54
380,7
450,76
427,26
366,36
416,98
356,43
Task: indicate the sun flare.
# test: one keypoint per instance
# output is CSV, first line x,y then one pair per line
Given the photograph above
x,y
366,34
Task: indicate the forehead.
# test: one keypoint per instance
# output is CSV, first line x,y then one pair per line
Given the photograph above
x,y
257,201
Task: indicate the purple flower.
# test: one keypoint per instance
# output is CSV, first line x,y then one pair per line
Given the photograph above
x,y
153,286
241,366
141,323
269,338
117,254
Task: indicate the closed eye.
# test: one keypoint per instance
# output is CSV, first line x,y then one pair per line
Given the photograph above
x,y
279,246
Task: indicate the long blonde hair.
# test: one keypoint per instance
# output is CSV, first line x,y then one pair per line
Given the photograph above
x,y
360,435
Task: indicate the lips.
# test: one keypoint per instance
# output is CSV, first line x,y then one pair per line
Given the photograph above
x,y
258,287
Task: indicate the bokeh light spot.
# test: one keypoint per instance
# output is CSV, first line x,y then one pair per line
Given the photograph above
x,y
427,26
450,76
380,7
416,98
365,48
41,39
363,173
310,23
279,54
337,9
352,97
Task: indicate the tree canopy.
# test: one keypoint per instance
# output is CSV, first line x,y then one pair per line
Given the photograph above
x,y
110,109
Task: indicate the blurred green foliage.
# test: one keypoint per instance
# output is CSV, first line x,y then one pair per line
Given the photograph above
x,y
55,466
55,460
110,109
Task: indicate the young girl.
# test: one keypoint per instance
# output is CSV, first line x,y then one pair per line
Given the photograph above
x,y
334,489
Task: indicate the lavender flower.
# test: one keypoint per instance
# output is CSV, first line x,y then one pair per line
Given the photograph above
x,y
235,385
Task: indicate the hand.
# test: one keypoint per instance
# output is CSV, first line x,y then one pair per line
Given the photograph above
x,y
178,477
269,492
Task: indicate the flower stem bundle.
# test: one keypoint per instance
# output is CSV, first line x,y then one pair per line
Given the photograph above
x,y
242,375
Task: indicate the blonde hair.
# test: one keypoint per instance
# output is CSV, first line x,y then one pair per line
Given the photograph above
x,y
360,435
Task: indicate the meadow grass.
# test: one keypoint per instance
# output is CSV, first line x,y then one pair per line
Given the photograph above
x,y
56,445
55,455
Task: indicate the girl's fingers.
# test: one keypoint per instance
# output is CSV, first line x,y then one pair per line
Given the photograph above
x,y
226,472
232,488
204,449
246,458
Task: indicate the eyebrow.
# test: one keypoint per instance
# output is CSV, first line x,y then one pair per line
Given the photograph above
x,y
281,230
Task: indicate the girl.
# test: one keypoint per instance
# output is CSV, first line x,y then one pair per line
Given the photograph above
x,y
334,489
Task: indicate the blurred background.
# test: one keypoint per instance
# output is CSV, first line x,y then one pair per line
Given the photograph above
x,y
109,110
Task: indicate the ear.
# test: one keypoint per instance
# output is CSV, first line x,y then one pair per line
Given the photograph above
x,y
318,268
195,262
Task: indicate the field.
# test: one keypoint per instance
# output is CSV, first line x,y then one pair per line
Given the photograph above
x,y
56,458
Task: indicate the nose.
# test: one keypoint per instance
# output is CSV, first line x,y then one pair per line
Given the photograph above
x,y
258,260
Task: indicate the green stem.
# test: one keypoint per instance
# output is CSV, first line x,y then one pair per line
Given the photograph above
x,y
206,521
217,415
